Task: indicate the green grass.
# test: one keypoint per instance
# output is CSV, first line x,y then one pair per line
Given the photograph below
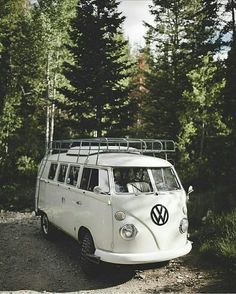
x,y
217,238
217,199
17,196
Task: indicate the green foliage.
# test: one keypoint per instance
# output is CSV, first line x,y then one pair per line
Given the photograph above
x,y
20,74
202,116
17,197
26,166
215,198
230,89
183,31
217,237
178,90
97,98
30,39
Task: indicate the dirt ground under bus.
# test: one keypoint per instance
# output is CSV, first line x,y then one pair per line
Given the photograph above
x,y
30,263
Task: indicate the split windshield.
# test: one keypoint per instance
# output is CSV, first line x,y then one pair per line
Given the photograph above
x,y
165,179
138,180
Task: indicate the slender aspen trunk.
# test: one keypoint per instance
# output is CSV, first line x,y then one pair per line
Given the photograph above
x,y
47,136
202,140
99,120
233,20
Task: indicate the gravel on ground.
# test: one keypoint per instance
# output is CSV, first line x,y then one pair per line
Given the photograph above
x,y
31,264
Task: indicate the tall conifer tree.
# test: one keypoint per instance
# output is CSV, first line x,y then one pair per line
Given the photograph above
x,y
96,101
27,34
183,32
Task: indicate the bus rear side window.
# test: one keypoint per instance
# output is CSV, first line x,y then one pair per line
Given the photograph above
x,y
93,179
85,178
62,173
73,175
52,171
89,179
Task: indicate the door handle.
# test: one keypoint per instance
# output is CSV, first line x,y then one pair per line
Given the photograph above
x,y
78,202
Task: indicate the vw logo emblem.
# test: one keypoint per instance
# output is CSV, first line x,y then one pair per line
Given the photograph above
x,y
159,215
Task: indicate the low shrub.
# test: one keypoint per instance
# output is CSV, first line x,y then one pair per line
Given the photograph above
x,y
217,237
17,196
218,199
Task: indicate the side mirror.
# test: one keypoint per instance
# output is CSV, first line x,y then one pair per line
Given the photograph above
x,y
190,190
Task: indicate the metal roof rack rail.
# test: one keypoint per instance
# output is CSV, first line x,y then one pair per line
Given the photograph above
x,y
96,146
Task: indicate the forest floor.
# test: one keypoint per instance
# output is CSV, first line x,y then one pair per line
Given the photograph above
x,y
29,263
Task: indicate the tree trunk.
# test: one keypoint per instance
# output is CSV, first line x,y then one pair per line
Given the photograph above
x,y
233,20
99,120
202,140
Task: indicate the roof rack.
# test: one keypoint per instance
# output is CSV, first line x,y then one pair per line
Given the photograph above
x,y
96,146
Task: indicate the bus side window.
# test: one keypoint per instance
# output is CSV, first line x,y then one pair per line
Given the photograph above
x,y
73,175
85,178
89,179
62,173
104,180
52,171
93,179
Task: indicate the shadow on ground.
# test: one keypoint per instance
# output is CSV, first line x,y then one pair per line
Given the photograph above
x,y
218,277
29,262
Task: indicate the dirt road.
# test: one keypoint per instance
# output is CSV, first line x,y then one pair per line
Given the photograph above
x,y
29,262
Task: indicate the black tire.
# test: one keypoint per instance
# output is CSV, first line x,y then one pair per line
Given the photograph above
x,y
46,227
87,247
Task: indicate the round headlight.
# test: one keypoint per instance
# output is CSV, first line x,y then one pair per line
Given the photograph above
x,y
183,227
120,215
128,232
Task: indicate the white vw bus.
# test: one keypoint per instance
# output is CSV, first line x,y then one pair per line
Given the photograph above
x,y
121,204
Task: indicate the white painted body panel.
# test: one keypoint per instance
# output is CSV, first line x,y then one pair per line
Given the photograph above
x,y
143,258
71,208
97,218
138,210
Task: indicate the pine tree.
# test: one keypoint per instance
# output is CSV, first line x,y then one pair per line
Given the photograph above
x,y
54,16
12,13
28,35
183,32
202,117
137,91
97,99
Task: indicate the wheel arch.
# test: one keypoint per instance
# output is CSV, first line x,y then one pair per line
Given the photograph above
x,y
39,212
81,233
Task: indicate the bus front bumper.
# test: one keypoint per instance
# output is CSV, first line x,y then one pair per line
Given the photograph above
x,y
141,258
